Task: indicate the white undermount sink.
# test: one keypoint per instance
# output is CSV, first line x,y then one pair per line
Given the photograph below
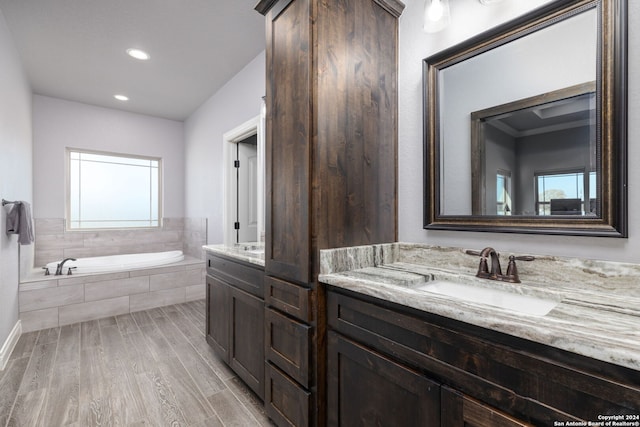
x,y
519,303
250,248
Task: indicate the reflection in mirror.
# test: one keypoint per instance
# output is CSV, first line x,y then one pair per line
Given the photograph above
x,y
525,125
537,156
523,68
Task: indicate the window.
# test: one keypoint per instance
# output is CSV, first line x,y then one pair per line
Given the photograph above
x,y
108,190
567,190
503,192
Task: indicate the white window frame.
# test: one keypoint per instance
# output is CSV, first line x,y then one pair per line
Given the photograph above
x,y
70,150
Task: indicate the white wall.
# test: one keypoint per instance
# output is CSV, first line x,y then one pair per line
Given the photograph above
x,y
236,102
15,170
469,17
58,124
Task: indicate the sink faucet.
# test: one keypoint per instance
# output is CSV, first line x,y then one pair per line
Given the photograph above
x,y
60,265
496,271
483,270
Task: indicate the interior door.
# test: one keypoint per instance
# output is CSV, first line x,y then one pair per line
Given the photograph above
x,y
247,191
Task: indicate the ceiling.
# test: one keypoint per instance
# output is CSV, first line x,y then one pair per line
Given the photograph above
x,y
76,49
558,115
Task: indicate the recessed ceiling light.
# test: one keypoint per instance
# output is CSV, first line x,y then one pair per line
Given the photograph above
x,y
121,97
138,54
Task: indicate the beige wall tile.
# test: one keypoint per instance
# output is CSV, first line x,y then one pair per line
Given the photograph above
x,y
60,241
44,226
115,288
167,281
199,265
43,257
53,243
93,310
157,299
39,319
157,270
79,279
173,223
51,297
39,284
133,238
195,292
194,277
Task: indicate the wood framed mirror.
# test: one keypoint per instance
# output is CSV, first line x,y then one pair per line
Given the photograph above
x,y
525,125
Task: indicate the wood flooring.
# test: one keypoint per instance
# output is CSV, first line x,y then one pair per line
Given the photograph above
x,y
150,368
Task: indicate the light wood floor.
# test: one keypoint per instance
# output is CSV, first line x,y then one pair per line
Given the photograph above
x,y
151,368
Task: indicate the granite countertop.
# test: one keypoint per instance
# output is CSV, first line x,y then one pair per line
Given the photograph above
x,y
598,314
251,252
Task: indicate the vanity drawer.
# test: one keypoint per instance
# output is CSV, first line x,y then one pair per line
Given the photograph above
x,y
245,276
289,298
286,402
287,344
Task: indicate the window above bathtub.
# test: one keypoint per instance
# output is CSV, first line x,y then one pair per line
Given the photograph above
x,y
110,190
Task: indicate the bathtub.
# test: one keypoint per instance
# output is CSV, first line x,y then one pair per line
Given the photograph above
x,y
103,264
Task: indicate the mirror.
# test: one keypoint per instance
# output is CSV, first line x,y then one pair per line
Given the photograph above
x,y
525,125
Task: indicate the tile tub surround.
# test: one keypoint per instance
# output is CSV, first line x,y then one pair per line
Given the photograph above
x,y
53,242
52,301
195,236
243,252
598,316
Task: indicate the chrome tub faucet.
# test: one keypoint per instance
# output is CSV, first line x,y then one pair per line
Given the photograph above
x,y
60,265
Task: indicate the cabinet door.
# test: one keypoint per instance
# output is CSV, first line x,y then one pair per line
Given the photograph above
x,y
287,141
246,352
218,316
368,389
287,403
459,410
287,345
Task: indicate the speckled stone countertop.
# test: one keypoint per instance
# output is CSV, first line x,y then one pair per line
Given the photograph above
x,y
598,314
251,252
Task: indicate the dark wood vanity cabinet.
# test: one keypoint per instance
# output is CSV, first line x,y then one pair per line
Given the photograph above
x,y
383,357
331,154
458,410
235,317
366,388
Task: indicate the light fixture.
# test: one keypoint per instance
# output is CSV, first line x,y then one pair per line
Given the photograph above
x,y
121,97
138,54
436,15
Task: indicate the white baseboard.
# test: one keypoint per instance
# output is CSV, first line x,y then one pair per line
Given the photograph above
x,y
10,344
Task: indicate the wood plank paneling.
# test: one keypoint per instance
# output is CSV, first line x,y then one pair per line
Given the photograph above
x,y
288,162
355,139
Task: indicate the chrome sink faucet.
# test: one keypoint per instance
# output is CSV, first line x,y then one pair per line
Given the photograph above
x,y
60,265
496,271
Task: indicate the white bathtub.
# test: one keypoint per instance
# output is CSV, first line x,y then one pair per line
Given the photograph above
x,y
104,264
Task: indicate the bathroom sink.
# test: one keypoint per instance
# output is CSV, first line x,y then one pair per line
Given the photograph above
x,y
250,248
519,303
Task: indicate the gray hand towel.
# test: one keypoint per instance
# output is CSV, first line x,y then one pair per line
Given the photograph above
x,y
19,222
13,218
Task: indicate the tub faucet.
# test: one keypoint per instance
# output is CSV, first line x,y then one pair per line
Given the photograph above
x,y
60,265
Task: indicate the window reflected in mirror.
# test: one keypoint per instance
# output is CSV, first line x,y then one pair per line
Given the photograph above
x,y
503,192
